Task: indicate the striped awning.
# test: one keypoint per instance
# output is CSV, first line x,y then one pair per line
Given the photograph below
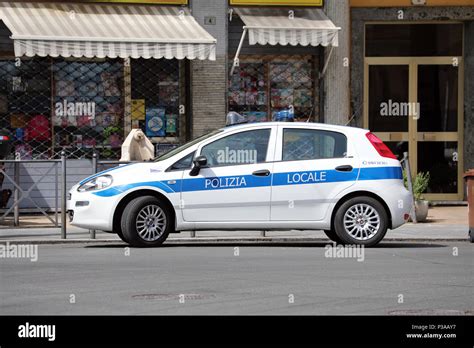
x,y
106,30
294,27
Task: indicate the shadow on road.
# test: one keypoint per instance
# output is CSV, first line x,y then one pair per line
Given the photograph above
x,y
197,244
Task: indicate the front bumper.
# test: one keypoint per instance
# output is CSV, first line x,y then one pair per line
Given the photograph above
x,y
89,211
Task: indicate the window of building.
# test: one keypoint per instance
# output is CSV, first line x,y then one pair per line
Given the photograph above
x,y
308,144
156,97
262,86
83,106
413,40
239,148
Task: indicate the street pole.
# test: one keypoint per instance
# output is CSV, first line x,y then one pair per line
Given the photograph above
x,y
63,195
94,170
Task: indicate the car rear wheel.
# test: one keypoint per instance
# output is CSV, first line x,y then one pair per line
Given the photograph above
x,y
362,221
146,222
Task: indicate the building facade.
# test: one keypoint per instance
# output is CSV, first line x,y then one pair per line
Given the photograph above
x,y
403,70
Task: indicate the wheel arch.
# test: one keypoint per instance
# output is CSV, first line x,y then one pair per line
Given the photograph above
x,y
135,194
358,194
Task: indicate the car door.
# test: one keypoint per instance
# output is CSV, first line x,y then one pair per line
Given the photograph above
x,y
236,183
312,166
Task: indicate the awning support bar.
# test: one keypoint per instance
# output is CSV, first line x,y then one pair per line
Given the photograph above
x,y
236,58
326,63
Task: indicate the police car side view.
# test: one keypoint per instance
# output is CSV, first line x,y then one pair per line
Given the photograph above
x,y
259,176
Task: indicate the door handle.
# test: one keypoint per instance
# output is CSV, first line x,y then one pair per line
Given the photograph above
x,y
262,172
344,168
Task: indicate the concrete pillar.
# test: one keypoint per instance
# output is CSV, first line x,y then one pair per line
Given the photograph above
x,y
337,76
209,78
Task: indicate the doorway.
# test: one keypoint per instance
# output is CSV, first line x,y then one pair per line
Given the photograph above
x,y
415,104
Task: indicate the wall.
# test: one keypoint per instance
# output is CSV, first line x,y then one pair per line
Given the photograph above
x,y
209,78
336,78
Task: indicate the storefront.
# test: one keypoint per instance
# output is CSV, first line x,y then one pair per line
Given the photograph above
x,y
408,70
78,77
281,64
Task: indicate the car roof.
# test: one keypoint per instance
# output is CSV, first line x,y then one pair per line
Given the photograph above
x,y
309,125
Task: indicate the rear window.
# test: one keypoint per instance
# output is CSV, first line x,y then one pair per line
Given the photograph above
x,y
309,144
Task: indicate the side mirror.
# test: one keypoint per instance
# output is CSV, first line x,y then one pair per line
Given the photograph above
x,y
199,162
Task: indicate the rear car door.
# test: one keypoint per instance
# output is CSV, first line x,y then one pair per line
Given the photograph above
x,y
313,166
236,184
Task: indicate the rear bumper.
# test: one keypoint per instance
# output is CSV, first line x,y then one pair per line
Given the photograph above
x,y
400,207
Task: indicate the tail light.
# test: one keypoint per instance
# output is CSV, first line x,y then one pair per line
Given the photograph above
x,y
381,148
4,138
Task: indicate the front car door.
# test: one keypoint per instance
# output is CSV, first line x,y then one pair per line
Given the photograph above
x,y
236,184
312,167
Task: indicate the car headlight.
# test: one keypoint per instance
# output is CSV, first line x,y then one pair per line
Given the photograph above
x,y
97,183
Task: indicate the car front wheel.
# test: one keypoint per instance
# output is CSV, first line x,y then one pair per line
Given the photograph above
x,y
331,234
361,221
146,222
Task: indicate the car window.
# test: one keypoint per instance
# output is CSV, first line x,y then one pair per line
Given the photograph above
x,y
184,163
239,148
307,144
183,147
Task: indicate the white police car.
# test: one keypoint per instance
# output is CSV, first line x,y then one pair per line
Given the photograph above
x,y
267,176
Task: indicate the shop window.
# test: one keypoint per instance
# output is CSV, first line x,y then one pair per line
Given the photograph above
x,y
240,148
88,107
156,98
413,40
307,144
50,105
260,87
25,106
79,105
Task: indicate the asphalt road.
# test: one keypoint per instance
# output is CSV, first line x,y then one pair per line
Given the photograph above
x,y
393,278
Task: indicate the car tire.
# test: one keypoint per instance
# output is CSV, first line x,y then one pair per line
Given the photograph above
x,y
361,221
120,234
146,222
331,234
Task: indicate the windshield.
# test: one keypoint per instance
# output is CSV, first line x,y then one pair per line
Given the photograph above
x,y
183,147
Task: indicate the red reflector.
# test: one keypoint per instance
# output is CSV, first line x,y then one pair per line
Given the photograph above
x,y
406,217
381,148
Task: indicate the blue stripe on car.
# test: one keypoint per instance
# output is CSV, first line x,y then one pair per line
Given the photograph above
x,y
249,181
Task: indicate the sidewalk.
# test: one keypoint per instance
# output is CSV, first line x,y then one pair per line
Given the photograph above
x,y
444,223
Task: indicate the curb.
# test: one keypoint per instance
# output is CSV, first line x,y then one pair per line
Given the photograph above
x,y
210,240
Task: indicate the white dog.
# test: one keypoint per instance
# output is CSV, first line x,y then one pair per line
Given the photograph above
x,y
137,147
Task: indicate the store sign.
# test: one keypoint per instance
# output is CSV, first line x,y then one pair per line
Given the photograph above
x,y
317,3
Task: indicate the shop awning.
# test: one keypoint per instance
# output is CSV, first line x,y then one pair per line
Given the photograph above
x,y
279,26
286,27
106,30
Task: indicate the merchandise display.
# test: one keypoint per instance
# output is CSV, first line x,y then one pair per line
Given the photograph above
x,y
261,87
83,106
